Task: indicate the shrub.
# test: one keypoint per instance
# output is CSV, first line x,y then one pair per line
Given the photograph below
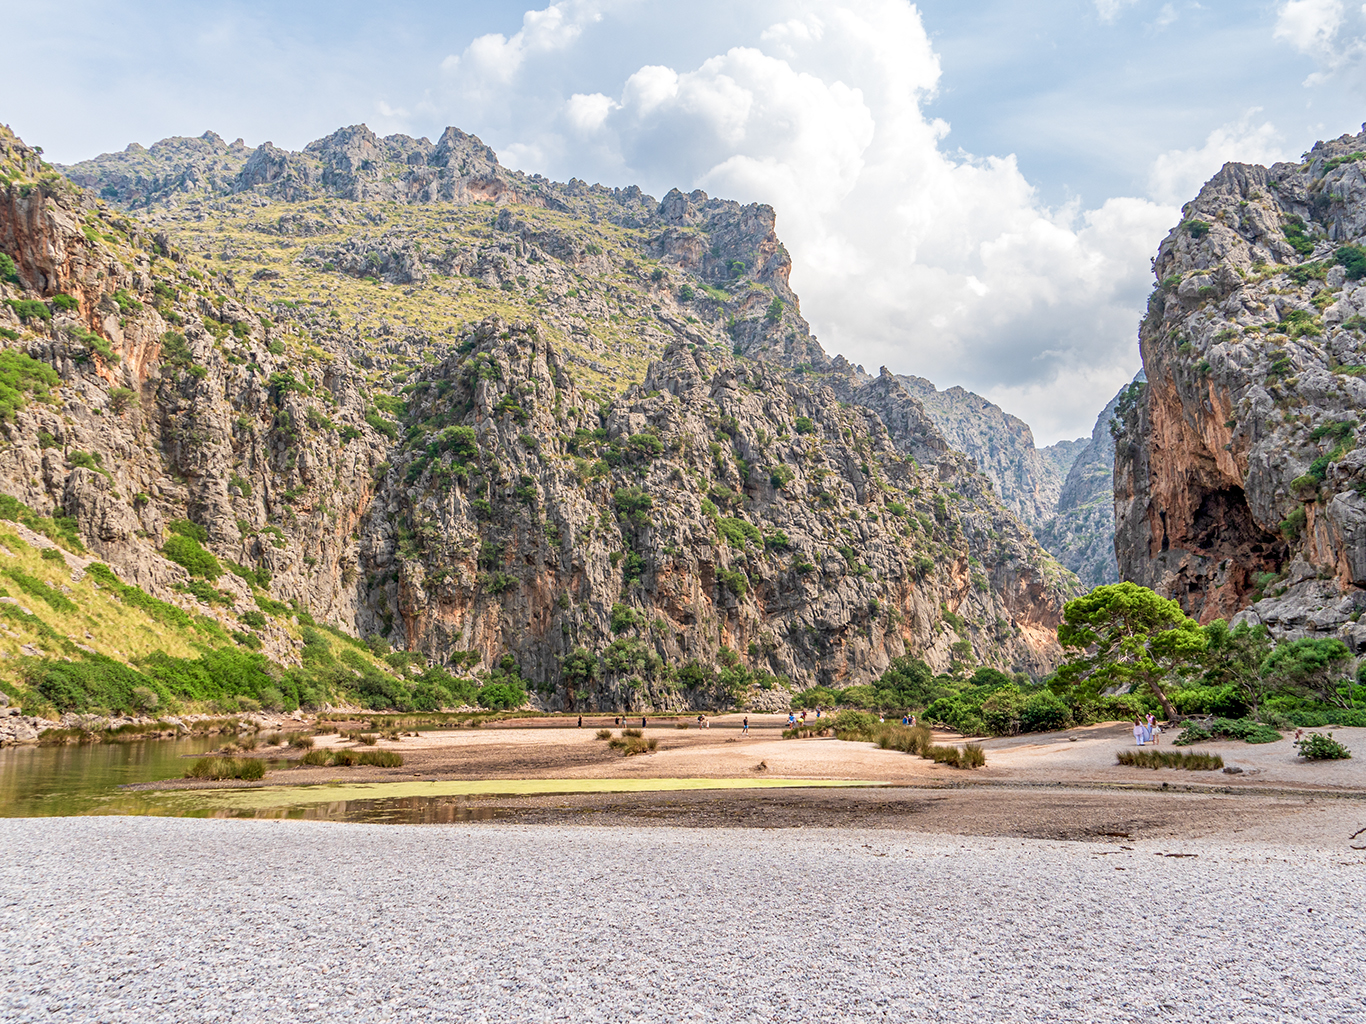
x,y
804,425
1224,728
1044,711
35,587
21,374
854,725
973,756
1198,761
632,503
736,582
227,768
945,755
1353,260
187,552
501,696
631,742
29,309
604,734
1319,747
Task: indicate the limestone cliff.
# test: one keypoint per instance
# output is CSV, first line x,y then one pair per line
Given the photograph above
x,y
1238,474
1027,478
490,417
1081,531
1062,492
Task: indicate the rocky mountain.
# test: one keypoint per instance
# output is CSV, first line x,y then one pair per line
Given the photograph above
x,y
574,435
1239,479
1027,478
1081,531
1063,492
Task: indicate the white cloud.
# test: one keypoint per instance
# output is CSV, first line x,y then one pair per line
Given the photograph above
x,y
905,255
588,112
1176,176
1109,10
495,59
1309,25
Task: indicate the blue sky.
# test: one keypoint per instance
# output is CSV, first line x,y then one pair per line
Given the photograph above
x,y
971,191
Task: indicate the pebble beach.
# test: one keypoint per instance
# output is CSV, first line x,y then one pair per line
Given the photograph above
x,y
165,919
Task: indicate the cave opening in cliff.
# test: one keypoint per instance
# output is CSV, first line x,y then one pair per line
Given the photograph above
x,y
1224,531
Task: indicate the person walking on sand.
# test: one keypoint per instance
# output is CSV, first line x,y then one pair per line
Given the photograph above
x,y
1138,732
745,731
791,720
642,721
1153,730
699,721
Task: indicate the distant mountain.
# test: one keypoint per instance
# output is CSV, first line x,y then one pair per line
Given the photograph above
x,y
1063,492
1081,532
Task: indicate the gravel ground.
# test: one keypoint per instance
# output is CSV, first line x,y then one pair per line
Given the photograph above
x,y
149,919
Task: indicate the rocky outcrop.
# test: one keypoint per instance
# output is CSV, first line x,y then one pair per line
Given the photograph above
x,y
746,511
1081,531
1027,478
1063,493
1237,471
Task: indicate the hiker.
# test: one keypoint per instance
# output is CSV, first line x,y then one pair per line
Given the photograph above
x,y
913,721
745,730
1139,738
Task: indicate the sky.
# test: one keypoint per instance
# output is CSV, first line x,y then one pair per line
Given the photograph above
x,y
971,191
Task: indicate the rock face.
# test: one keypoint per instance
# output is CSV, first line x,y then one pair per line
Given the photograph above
x,y
1081,531
564,425
1063,492
1238,472
1027,478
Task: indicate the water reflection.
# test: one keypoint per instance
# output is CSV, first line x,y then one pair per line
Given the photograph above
x,y
84,779
413,810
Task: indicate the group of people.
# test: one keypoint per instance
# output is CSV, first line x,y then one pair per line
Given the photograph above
x,y
1146,732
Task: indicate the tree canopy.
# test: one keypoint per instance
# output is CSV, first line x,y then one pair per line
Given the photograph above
x,y
1122,635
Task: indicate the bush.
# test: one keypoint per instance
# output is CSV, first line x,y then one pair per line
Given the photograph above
x,y
855,725
804,425
21,374
631,742
603,734
188,553
35,587
145,699
227,768
1224,728
1044,711
1317,746
501,696
1198,761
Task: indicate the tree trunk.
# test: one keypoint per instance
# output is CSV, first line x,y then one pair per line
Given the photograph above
x,y
1161,696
